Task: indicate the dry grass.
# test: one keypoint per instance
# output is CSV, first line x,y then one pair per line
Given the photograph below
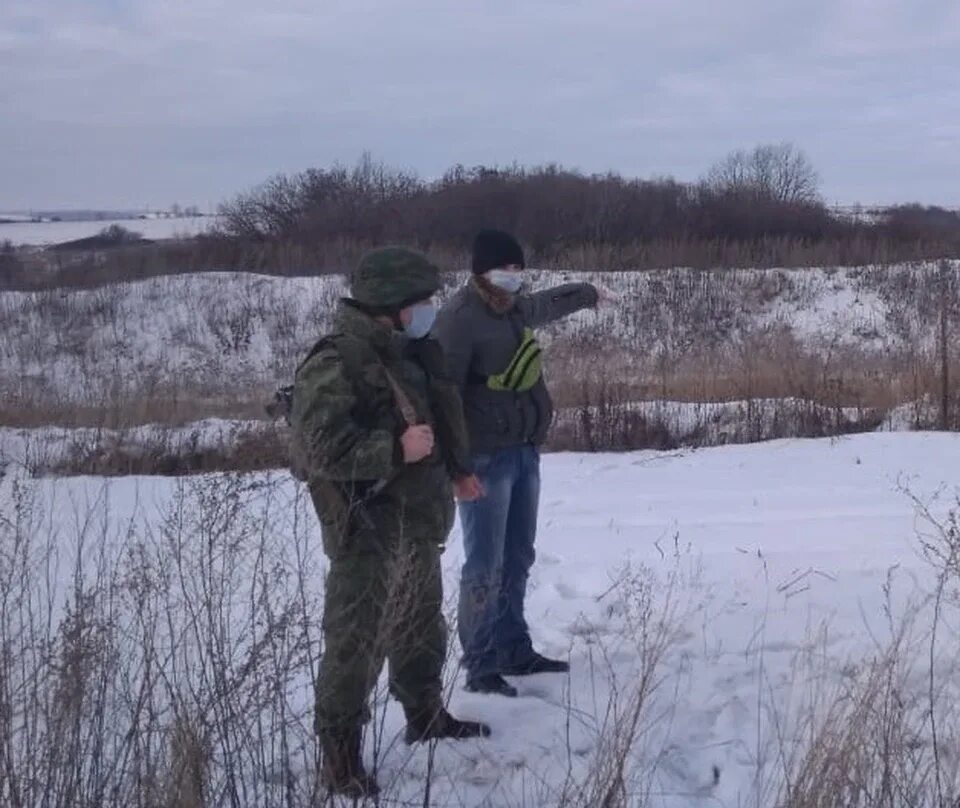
x,y
171,410
232,446
886,734
160,667
91,269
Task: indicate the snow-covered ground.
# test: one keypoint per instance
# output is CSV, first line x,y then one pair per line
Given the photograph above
x,y
774,563
27,233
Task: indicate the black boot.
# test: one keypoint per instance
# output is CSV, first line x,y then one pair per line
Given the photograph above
x,y
342,769
536,664
491,683
438,723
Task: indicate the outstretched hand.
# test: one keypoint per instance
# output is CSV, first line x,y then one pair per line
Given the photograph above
x,y
606,297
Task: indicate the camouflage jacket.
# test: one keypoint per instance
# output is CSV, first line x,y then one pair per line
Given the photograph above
x,y
347,425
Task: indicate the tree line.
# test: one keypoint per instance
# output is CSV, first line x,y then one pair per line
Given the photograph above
x,y
768,193
760,207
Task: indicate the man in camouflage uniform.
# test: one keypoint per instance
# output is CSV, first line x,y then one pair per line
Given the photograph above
x,y
382,440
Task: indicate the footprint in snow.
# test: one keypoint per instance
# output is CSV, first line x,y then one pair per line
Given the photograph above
x,y
735,679
566,591
585,628
780,646
535,690
703,724
482,773
739,713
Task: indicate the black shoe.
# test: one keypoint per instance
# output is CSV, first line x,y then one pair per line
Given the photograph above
x,y
440,724
536,664
491,683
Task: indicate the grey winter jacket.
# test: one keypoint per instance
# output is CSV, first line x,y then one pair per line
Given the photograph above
x,y
479,342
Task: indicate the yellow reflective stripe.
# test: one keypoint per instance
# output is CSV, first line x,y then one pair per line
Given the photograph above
x,y
525,382
524,369
510,375
518,354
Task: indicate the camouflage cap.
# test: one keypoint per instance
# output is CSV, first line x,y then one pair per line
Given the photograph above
x,y
393,277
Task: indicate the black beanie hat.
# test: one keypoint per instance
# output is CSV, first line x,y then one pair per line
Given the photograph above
x,y
493,249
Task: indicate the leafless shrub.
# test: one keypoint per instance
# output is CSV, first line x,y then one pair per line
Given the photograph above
x,y
863,741
233,329
189,761
779,172
171,670
880,730
168,452
623,767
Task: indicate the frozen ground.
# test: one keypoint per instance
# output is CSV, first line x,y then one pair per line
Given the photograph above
x,y
776,562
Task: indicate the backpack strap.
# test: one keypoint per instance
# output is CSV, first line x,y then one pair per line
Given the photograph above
x,y
403,400
281,404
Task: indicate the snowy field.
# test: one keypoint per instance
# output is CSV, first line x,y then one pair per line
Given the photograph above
x,y
43,234
750,585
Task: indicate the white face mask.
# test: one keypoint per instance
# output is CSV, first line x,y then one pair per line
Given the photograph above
x,y
506,279
422,317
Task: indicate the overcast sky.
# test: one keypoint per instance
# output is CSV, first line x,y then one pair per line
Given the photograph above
x,y
116,103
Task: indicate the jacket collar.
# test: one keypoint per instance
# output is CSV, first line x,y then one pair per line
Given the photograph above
x,y
355,323
499,301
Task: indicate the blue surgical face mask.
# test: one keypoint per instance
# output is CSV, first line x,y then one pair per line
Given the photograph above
x,y
506,279
421,320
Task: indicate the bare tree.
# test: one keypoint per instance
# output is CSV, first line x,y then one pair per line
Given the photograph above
x,y
779,172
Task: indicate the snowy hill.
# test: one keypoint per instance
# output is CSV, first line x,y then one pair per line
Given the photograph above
x,y
857,342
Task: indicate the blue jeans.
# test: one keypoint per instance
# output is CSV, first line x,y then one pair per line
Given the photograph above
x,y
498,535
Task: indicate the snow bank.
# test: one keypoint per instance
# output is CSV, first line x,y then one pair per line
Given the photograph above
x,y
236,330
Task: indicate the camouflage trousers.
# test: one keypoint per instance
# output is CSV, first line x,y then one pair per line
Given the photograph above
x,y
383,602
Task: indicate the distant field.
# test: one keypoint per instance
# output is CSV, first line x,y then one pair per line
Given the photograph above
x,y
45,233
